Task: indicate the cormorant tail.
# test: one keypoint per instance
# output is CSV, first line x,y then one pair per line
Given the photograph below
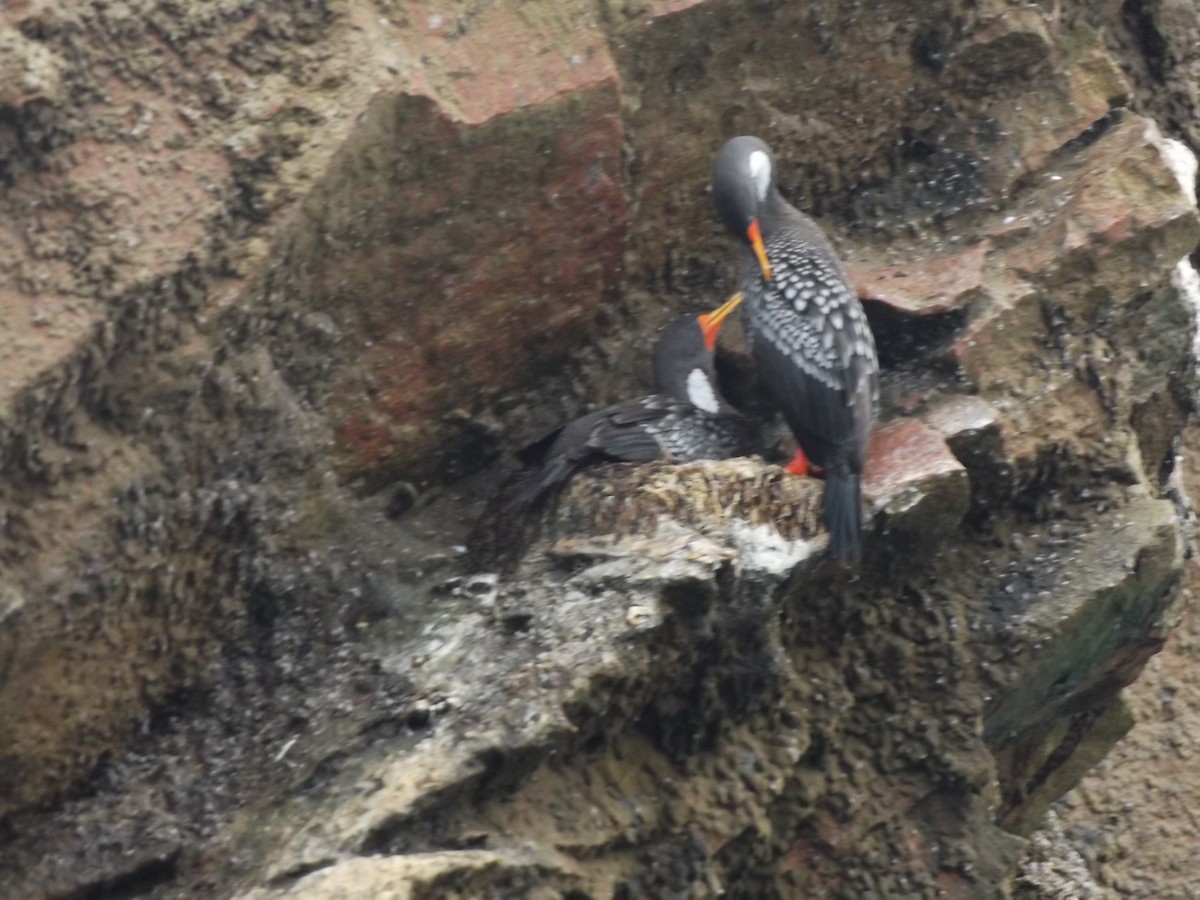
x,y
841,509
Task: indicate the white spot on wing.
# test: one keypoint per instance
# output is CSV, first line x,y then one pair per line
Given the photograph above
x,y
700,391
760,174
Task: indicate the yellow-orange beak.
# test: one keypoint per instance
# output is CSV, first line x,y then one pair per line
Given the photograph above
x,y
710,323
756,241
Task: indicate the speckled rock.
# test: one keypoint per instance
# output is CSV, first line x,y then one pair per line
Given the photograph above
x,y
448,873
735,723
29,71
286,278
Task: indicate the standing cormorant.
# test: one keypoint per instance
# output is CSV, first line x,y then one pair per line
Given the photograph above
x,y
808,333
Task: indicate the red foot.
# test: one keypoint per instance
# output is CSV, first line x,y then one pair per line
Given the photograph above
x,y
801,466
798,465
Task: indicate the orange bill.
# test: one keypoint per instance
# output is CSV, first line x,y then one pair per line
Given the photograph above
x,y
710,323
756,241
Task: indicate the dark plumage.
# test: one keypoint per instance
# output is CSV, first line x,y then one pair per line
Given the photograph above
x,y
686,419
807,331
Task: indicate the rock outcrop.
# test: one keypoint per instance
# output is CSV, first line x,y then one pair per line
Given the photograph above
x,y
287,280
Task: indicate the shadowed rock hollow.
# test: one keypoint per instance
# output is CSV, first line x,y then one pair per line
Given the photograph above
x,y
289,281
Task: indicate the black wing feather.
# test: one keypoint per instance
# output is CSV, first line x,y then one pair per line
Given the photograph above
x,y
613,434
817,415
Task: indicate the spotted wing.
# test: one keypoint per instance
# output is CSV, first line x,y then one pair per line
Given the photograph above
x,y
816,352
629,432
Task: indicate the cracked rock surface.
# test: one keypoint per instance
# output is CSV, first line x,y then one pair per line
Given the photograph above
x,y
289,281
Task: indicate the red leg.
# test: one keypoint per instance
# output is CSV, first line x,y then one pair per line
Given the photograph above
x,y
801,466
798,465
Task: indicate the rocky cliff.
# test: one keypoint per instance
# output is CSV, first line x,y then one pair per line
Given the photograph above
x,y
289,280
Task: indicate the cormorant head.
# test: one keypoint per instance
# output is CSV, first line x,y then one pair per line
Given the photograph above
x,y
743,182
683,358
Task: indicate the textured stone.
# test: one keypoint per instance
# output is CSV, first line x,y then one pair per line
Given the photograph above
x,y
460,873
28,71
1080,627
268,257
971,429
453,284
696,581
924,286
1132,817
1073,295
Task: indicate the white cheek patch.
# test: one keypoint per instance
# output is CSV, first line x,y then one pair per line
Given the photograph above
x,y
700,392
760,174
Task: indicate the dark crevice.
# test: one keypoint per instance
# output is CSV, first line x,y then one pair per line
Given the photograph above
x,y
1076,733
933,46
1140,22
140,882
1091,134
299,872
902,338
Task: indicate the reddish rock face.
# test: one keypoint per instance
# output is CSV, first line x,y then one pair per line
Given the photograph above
x,y
480,256
926,286
242,234
1066,291
906,453
469,229
494,59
